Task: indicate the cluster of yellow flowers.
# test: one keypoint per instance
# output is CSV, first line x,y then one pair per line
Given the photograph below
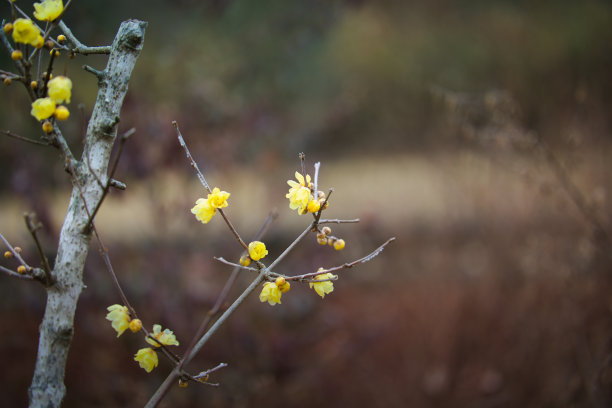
x,y
300,195
301,198
146,357
205,208
25,31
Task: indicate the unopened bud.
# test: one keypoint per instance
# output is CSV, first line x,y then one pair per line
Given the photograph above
x,y
245,260
313,206
21,269
34,85
7,81
135,325
8,28
47,127
326,230
8,254
61,38
339,244
16,55
17,249
182,383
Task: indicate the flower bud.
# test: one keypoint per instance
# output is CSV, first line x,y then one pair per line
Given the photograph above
x,y
245,260
339,244
40,41
17,249
21,269
135,325
61,38
8,28
326,230
8,254
49,45
54,53
47,127
7,81
61,113
321,239
182,383
33,85
282,284
16,55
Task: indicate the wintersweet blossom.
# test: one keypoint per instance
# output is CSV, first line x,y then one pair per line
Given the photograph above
x,y
270,293
218,198
60,89
25,31
257,250
147,358
42,108
299,194
48,10
323,288
203,210
166,337
120,318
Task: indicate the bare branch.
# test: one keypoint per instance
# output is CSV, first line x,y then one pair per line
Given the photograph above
x,y
365,259
337,221
80,48
14,274
23,138
33,229
223,260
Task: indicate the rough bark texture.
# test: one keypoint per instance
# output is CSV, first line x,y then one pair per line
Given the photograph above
x,y
56,330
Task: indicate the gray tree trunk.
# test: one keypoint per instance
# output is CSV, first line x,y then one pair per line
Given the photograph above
x,y
56,330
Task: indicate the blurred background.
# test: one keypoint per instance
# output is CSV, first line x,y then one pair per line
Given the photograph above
x,y
477,133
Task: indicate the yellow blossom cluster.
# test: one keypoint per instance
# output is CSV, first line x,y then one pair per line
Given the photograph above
x,y
147,357
205,208
272,291
59,90
300,195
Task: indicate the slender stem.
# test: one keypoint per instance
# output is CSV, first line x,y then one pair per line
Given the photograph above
x,y
15,274
190,157
290,247
23,138
163,389
337,221
80,48
316,179
365,259
33,228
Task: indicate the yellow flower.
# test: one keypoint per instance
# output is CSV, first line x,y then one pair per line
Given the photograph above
x,y
60,89
257,250
119,317
323,288
166,337
203,210
147,358
313,206
218,198
48,10
270,293
43,108
299,194
24,31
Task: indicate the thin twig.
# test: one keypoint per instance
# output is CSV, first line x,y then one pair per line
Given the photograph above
x,y
78,47
365,259
14,274
246,268
33,229
290,247
205,184
337,221
165,386
23,138
225,291
106,186
316,179
190,157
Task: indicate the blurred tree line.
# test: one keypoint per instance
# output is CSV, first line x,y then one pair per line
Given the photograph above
x,y
256,81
